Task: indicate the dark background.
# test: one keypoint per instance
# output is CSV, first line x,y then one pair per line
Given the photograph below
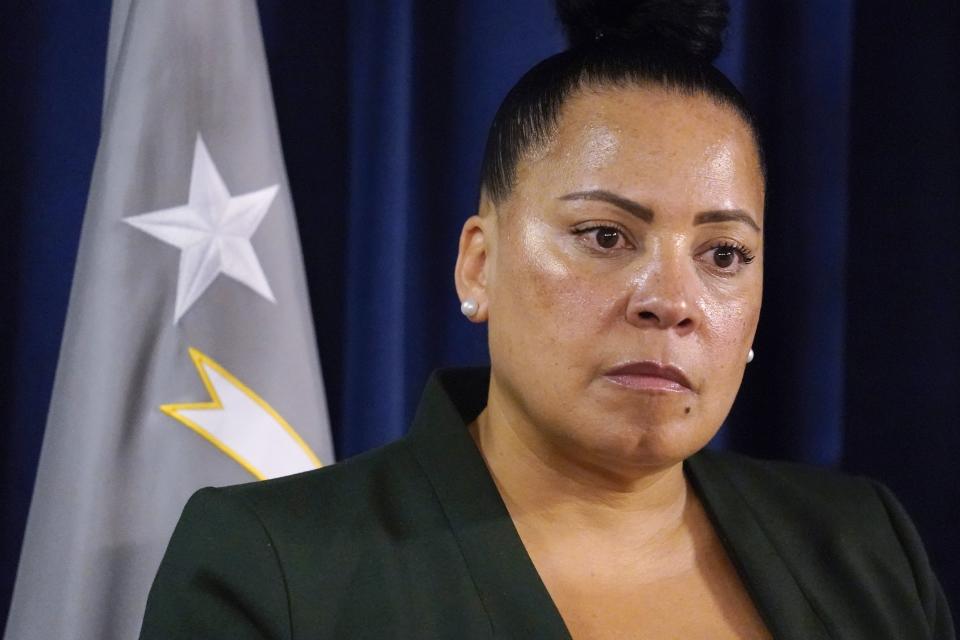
x,y
383,108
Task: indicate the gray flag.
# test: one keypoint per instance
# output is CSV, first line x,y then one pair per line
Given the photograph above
x,y
188,356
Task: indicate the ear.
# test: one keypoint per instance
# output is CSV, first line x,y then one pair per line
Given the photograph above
x,y
473,261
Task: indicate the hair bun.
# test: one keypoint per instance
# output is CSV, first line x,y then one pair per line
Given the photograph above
x,y
694,27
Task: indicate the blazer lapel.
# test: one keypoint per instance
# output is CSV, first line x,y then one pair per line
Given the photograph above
x,y
768,576
507,583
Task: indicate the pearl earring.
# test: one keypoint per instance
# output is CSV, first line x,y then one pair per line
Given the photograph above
x,y
750,356
469,307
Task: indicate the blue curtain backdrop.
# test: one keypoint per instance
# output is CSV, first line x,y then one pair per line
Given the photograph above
x,y
383,108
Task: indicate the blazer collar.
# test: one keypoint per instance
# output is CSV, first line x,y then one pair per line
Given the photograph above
x,y
509,586
514,596
769,576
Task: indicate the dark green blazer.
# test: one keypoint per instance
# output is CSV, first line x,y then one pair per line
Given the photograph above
x,y
413,541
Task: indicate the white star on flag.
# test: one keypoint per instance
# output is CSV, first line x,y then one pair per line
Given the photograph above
x,y
212,231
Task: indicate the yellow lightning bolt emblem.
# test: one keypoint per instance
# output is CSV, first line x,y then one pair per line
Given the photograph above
x,y
242,425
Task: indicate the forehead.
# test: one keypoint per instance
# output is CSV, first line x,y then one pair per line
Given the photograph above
x,y
653,144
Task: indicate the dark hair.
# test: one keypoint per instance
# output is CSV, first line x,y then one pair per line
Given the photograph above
x,y
613,43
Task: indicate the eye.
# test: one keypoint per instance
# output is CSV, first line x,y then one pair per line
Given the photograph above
x,y
607,237
604,238
729,257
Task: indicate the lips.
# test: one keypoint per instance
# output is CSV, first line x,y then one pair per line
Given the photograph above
x,y
650,376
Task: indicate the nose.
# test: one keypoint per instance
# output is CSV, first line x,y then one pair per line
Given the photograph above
x,y
662,313
663,298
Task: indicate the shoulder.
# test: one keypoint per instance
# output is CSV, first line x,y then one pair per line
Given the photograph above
x,y
319,506
789,483
833,529
333,498
814,500
285,553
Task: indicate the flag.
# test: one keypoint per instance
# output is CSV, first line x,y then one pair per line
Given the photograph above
x,y
188,356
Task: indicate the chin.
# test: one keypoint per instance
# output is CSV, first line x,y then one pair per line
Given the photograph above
x,y
650,442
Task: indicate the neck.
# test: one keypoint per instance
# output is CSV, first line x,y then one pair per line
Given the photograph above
x,y
550,489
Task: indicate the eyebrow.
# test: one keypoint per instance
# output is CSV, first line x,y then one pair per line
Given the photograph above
x,y
633,208
646,214
726,215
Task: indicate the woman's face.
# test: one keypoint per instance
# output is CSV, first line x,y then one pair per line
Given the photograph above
x,y
622,277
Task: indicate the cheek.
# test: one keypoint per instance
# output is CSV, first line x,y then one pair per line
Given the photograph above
x,y
726,320
729,322
564,302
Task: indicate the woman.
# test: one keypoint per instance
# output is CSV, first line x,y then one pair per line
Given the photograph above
x,y
617,257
